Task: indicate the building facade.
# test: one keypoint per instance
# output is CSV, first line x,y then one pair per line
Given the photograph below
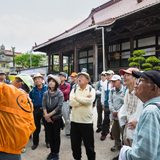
x,y
107,37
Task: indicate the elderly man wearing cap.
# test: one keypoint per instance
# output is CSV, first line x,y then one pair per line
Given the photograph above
x,y
37,95
98,88
81,100
132,108
105,105
115,103
146,143
16,116
73,80
65,89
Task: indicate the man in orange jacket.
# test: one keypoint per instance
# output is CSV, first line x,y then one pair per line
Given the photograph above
x,y
16,116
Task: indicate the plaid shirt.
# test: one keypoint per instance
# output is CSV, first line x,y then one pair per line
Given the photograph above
x,y
131,104
146,144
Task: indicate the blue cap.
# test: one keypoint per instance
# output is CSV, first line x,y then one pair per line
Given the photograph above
x,y
84,70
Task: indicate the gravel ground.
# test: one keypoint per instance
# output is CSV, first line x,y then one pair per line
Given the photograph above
x,y
102,148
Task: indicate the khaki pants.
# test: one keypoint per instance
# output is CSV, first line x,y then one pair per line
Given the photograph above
x,y
117,131
127,142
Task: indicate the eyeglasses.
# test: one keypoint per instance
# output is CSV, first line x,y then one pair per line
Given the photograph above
x,y
126,75
103,75
139,80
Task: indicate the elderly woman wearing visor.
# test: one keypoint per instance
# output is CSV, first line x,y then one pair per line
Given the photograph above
x,y
52,104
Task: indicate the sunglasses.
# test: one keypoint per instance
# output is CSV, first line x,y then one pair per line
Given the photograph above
x,y
103,75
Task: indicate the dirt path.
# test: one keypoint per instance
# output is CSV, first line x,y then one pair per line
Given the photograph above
x,y
102,148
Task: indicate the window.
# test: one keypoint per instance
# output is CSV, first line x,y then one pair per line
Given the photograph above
x,y
90,66
114,48
125,54
159,40
114,64
83,54
90,60
149,51
3,65
90,53
125,45
82,66
146,41
125,63
83,60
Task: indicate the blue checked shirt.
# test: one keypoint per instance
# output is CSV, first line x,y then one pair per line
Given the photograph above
x,y
146,144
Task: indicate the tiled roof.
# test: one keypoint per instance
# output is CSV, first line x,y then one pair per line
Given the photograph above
x,y
103,15
9,53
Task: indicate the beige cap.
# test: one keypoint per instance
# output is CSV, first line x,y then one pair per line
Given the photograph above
x,y
38,75
56,78
41,72
86,74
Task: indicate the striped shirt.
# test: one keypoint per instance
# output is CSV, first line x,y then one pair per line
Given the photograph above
x,y
146,144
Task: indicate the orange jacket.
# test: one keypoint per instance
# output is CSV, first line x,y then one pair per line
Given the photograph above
x,y
16,119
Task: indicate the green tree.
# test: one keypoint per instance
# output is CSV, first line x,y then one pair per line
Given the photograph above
x,y
137,59
152,63
24,60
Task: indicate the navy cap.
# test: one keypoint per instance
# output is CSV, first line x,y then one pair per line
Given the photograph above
x,y
153,75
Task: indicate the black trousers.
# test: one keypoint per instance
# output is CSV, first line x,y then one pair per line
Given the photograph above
x,y
54,134
106,122
83,131
38,115
99,111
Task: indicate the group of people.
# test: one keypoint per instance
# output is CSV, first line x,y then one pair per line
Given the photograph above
x,y
129,99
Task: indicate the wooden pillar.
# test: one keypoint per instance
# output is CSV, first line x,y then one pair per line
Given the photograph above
x,y
131,45
95,60
75,59
49,63
69,64
60,62
52,63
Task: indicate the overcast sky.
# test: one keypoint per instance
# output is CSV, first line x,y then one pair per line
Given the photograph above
x,y
24,22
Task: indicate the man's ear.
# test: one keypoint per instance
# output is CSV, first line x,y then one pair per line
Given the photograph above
x,y
19,85
154,88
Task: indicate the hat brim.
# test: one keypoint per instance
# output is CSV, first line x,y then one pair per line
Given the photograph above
x,y
12,78
139,74
122,71
81,73
52,77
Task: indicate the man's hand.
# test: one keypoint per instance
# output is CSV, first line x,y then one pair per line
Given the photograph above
x,y
115,114
132,125
89,96
103,107
75,98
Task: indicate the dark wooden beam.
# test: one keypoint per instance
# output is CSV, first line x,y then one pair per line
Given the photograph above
x,y
69,64
95,61
49,64
106,54
52,62
60,62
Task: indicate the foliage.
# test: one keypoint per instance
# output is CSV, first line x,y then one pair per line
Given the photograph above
x,y
24,60
152,63
137,59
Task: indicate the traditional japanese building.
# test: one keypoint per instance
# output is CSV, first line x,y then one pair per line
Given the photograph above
x,y
7,59
107,37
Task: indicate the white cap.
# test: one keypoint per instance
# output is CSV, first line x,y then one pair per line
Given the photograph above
x,y
109,72
38,75
104,72
115,78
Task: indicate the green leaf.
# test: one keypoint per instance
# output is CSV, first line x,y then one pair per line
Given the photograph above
x,y
134,64
156,68
147,65
147,69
